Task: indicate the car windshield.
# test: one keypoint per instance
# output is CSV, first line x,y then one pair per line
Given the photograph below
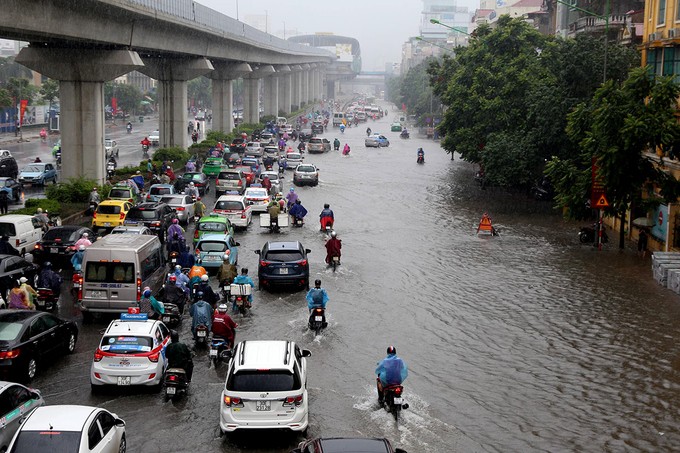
x,y
100,272
33,169
228,175
172,201
233,157
9,330
283,256
214,161
259,193
142,214
293,156
50,440
229,205
212,226
107,209
245,169
121,344
120,193
160,190
212,246
62,234
308,168
263,381
108,142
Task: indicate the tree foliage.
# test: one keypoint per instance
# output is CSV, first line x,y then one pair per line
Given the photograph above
x,y
128,97
200,91
49,91
414,91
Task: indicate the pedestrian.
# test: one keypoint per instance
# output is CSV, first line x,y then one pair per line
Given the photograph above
x,y
4,200
642,243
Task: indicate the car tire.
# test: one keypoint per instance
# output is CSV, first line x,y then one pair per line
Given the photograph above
x,y
122,448
71,344
31,369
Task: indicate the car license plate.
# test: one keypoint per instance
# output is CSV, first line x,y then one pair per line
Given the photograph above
x,y
201,333
263,406
54,250
166,318
107,224
336,259
398,400
283,271
213,353
318,318
96,294
170,390
124,380
131,222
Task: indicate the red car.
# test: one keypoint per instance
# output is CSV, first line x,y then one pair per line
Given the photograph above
x,y
248,172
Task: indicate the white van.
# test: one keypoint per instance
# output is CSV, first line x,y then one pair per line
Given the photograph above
x,y
117,268
337,118
23,231
281,121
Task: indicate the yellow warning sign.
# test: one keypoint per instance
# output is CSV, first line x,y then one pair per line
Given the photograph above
x,y
602,202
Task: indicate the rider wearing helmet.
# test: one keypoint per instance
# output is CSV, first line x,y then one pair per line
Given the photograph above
x,y
186,258
178,355
181,278
77,258
292,197
149,305
50,279
195,274
227,272
243,279
208,293
297,210
327,218
223,326
333,246
192,191
317,296
391,371
175,236
199,208
175,294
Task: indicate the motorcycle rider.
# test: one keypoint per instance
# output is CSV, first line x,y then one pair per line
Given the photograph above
x,y
243,279
208,293
145,142
84,240
333,246
178,355
268,162
185,259
273,209
31,294
368,131
317,296
345,149
77,258
336,144
138,179
192,191
297,210
129,127
199,208
301,147
149,305
190,166
94,197
42,219
291,196
18,298
175,294
421,154
227,272
223,326
391,371
195,273
182,280
176,232
50,279
326,217
201,313
266,183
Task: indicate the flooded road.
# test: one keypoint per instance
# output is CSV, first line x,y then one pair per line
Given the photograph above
x,y
524,342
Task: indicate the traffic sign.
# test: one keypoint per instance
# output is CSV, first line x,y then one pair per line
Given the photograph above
x,y
602,202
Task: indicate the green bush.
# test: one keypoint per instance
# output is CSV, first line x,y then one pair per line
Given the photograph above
x,y
174,154
73,190
265,119
51,206
219,136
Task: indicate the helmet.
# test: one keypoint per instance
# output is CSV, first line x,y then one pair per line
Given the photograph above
x,y
81,248
147,292
204,277
39,210
200,294
175,221
139,172
85,235
391,350
174,336
326,206
47,265
94,189
244,271
333,234
173,278
178,267
222,308
198,199
191,184
317,282
292,189
23,279
225,257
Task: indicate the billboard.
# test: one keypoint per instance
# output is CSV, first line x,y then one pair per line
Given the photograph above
x,y
344,52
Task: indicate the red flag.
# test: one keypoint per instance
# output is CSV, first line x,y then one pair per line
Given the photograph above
x,y
114,105
22,109
403,107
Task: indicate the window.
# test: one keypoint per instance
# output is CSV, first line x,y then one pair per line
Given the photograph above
x,y
9,330
677,10
214,226
30,441
63,234
654,59
138,214
49,321
160,190
6,405
126,345
120,193
164,330
15,264
18,395
283,255
108,209
37,327
263,381
106,421
106,272
8,229
212,246
661,18
151,263
94,435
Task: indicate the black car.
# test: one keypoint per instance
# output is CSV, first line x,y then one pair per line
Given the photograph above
x,y
345,444
58,244
9,167
199,179
12,186
283,263
156,216
305,134
317,128
11,269
231,160
238,145
29,339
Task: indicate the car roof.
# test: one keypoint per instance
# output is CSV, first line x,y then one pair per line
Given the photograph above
x,y
283,245
112,201
161,185
353,445
130,228
214,237
139,328
255,189
58,418
149,205
265,354
12,315
231,198
213,217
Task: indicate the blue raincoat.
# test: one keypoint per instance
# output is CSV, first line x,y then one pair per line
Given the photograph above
x,y
317,297
201,313
392,370
298,211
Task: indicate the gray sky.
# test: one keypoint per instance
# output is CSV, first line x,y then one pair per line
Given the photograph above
x,y
381,26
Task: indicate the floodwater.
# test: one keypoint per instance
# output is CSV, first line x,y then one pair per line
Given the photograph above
x,y
525,342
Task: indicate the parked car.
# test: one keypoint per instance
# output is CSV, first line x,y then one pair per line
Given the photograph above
x,y
230,179
346,444
306,174
39,173
58,243
12,187
16,403
75,429
376,141
211,248
318,145
110,214
183,205
235,207
155,216
155,138
12,268
156,191
266,387
29,339
111,148
283,263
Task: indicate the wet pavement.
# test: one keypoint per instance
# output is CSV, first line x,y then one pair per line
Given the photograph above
x,y
525,342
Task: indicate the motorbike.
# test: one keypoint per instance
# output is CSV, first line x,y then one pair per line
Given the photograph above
x,y
77,284
219,350
298,222
588,234
201,335
368,132
92,207
393,401
335,262
46,300
420,159
336,146
345,152
317,320
176,382
239,297
145,151
172,316
129,129
110,170
405,134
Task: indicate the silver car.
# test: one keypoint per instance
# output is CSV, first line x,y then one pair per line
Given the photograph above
x,y
318,145
293,160
131,229
255,149
183,205
16,402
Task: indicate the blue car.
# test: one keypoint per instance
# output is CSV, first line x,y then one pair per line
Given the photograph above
x,y
39,173
212,247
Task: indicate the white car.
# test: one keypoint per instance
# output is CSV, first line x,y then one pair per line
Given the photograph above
x,y
18,401
76,429
255,149
155,138
266,387
257,198
293,160
110,147
236,209
277,183
131,352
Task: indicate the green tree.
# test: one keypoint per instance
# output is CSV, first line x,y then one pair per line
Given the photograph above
x,y
49,91
19,88
5,99
200,91
128,96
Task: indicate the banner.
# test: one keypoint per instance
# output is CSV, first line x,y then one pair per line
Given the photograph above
x,y
22,108
114,105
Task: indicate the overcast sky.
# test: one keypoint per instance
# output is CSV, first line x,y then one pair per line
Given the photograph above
x,y
381,26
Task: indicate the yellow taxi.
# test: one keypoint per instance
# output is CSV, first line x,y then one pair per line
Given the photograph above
x,y
110,214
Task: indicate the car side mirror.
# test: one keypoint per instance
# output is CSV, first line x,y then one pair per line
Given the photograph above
x,y
237,244
257,252
120,423
35,395
400,450
306,353
308,250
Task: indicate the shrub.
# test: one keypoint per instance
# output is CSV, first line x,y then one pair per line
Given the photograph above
x,y
174,154
51,206
219,136
265,119
73,190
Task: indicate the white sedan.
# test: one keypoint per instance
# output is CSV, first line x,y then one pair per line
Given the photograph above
x,y
257,198
155,138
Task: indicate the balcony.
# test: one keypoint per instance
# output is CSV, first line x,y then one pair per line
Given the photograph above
x,y
596,25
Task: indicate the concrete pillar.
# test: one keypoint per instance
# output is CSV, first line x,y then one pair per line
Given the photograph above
x,y
271,96
251,100
304,87
331,89
172,74
283,76
81,74
296,92
222,93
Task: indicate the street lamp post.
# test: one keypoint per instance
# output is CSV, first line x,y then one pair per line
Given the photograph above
x,y
459,30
